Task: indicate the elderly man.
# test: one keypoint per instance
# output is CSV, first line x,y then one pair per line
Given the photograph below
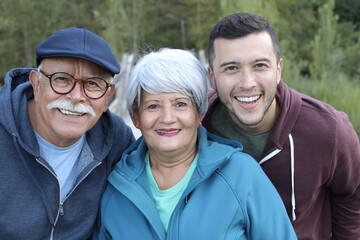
x,y
58,140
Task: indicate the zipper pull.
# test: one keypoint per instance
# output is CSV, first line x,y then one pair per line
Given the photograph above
x,y
186,200
61,209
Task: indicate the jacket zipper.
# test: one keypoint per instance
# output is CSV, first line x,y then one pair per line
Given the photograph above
x,y
184,201
60,211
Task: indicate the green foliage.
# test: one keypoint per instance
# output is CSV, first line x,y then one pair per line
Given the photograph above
x,y
350,44
326,53
319,39
26,23
266,8
348,10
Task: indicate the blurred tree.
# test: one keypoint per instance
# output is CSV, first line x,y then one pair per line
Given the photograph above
x,y
348,11
349,30
201,15
181,23
326,52
139,25
26,23
122,22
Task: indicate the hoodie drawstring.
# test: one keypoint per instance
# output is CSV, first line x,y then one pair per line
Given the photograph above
x,y
292,163
292,176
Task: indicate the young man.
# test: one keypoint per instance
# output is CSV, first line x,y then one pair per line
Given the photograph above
x,y
308,149
58,141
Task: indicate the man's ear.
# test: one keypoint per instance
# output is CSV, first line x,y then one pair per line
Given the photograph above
x,y
111,91
108,96
279,69
212,78
35,82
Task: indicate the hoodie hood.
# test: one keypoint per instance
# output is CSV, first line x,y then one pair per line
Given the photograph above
x,y
290,106
15,94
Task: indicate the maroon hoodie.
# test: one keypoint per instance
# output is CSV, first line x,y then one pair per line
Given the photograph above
x,y
313,158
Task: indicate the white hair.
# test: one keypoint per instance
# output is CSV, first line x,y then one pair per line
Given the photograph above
x,y
169,70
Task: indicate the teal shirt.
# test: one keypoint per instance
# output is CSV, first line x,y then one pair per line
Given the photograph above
x,y
166,200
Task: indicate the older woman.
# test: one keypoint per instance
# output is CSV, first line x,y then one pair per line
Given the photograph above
x,y
178,181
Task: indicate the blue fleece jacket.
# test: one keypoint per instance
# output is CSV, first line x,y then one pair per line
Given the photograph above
x,y
30,206
228,197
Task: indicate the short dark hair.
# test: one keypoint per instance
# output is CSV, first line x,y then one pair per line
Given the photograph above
x,y
240,25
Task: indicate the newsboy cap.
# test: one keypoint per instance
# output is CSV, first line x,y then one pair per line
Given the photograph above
x,y
78,43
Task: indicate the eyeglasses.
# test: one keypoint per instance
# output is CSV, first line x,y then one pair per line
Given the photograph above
x,y
63,83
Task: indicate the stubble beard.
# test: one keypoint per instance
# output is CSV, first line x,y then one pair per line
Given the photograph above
x,y
251,123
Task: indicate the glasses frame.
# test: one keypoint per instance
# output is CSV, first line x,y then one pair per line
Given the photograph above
x,y
79,80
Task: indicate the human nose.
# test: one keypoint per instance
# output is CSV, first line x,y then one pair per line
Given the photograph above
x,y
248,79
168,115
77,93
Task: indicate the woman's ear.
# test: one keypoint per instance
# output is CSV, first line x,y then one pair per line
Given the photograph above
x,y
135,118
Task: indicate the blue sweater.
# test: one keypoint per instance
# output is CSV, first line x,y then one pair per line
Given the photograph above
x,y
228,197
30,206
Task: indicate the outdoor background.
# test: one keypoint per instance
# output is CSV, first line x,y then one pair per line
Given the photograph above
x,y
319,39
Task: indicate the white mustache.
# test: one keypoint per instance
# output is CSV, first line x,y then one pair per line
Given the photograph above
x,y
69,106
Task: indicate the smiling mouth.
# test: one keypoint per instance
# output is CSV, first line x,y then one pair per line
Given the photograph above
x,y
67,112
248,99
167,132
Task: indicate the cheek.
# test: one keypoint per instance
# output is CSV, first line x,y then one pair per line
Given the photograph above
x,y
147,120
193,120
100,107
44,96
225,83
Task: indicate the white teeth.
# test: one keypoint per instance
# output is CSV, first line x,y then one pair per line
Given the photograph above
x,y
248,99
174,131
64,111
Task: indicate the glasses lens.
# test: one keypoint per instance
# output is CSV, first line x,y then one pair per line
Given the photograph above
x,y
62,82
95,87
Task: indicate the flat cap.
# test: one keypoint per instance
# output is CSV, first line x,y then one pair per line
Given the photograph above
x,y
78,43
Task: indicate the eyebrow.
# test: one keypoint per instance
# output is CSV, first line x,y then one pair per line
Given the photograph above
x,y
237,63
228,63
262,60
176,99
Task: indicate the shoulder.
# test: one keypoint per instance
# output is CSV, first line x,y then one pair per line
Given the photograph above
x,y
246,179
107,201
118,126
312,114
241,163
235,166
322,127
324,117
